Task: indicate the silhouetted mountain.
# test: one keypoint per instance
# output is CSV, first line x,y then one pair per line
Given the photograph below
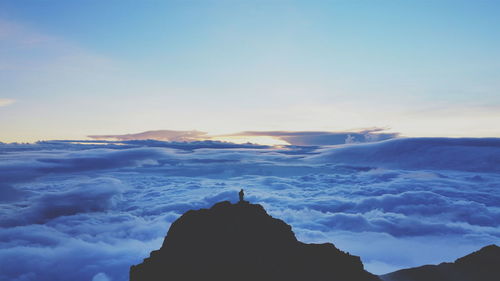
x,y
242,242
483,265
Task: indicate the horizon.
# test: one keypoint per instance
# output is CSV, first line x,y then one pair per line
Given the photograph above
x,y
270,138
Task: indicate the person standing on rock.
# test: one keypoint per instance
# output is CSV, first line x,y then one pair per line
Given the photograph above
x,y
242,194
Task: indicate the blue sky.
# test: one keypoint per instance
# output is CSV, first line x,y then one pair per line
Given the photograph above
x,y
76,68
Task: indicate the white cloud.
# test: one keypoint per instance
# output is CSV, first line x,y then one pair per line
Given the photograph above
x,y
98,208
5,102
100,277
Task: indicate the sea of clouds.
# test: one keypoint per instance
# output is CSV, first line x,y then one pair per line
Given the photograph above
x,y
88,210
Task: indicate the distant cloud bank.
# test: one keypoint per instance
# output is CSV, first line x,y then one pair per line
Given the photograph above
x,y
291,137
324,137
162,135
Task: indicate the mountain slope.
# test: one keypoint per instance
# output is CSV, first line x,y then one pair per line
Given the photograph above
x,y
242,242
483,265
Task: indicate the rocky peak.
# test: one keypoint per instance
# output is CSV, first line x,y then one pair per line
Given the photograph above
x,y
242,242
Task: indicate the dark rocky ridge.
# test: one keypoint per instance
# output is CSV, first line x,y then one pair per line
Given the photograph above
x,y
242,242
482,265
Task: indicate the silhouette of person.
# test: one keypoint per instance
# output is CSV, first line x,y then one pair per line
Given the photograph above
x,y
242,194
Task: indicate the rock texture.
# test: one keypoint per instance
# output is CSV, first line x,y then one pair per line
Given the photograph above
x,y
483,265
242,242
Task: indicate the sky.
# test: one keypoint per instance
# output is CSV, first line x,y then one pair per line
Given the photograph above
x,y
70,69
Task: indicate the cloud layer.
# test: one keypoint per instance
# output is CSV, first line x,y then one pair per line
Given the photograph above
x,y
76,210
301,138
325,138
162,135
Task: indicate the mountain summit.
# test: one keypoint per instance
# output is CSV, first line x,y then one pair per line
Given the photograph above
x,y
242,242
482,265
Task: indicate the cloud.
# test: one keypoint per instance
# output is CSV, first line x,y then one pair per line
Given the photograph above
x,y
59,162
72,259
9,193
95,195
191,145
26,52
100,277
83,210
162,135
5,102
324,137
465,154
99,159
394,224
301,138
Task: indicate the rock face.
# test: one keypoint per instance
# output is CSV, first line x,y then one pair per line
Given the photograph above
x,y
242,242
483,265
